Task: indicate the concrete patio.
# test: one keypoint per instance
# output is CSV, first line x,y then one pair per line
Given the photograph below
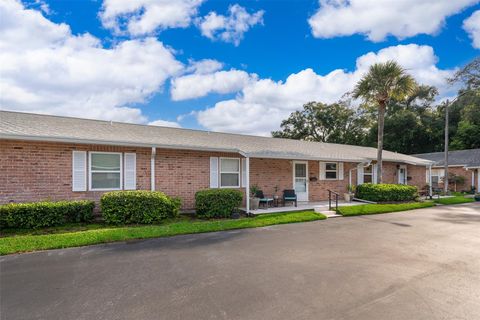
x,y
318,206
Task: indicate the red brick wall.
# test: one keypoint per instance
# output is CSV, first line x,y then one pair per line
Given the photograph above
x,y
268,173
35,171
467,174
182,173
417,176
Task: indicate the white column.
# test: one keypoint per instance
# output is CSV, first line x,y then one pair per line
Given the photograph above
x,y
473,178
247,184
152,169
430,180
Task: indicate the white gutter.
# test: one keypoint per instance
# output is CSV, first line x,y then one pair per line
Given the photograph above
x,y
115,143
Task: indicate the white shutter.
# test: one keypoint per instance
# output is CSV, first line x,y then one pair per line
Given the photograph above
x,y
244,172
213,172
130,172
359,174
340,171
322,171
374,174
79,171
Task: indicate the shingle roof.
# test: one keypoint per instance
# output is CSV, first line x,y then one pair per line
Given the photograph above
x,y
16,125
467,158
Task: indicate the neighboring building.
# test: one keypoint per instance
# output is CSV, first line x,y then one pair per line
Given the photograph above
x,y
465,163
50,157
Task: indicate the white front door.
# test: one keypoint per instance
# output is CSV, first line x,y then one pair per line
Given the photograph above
x,y
300,180
402,175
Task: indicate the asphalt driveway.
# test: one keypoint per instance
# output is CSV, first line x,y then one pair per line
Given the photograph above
x,y
422,264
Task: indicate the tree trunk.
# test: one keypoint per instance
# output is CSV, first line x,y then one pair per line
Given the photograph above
x,y
381,124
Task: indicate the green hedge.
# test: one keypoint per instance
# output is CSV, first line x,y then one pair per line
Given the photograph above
x,y
120,207
45,214
386,192
217,203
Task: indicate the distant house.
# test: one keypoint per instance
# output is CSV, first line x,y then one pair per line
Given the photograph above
x,y
50,157
464,163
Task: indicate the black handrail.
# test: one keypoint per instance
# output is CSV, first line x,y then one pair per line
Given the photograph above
x,y
330,192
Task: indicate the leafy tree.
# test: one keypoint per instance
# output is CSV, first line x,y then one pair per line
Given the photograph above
x,y
468,132
412,125
383,83
335,123
469,76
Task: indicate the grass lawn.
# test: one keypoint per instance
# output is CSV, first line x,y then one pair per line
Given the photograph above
x,y
454,200
381,208
75,236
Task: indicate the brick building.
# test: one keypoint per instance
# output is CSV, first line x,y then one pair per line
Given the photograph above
x,y
56,158
464,163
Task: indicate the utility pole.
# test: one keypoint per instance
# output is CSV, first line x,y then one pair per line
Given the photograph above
x,y
445,179
447,104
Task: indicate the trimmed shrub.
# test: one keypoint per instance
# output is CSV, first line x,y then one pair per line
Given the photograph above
x,y
145,207
217,203
386,192
45,214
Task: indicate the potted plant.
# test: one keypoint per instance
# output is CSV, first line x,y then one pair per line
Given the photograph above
x,y
348,196
477,197
276,196
254,201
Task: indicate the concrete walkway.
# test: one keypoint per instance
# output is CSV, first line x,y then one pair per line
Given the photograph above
x,y
421,264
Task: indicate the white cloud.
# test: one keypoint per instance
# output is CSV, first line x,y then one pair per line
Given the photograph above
x,y
165,123
472,26
229,28
200,84
40,4
141,17
264,103
378,19
47,69
204,66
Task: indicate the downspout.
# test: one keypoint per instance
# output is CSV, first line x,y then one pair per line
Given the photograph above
x,y
152,169
350,176
473,178
247,184
430,191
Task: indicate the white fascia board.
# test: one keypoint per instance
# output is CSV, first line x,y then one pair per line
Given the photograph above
x,y
304,158
422,163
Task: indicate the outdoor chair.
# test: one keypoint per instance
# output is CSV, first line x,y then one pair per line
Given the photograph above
x,y
265,200
289,195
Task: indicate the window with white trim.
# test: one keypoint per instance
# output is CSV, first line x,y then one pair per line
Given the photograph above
x,y
368,174
437,176
105,171
331,170
229,172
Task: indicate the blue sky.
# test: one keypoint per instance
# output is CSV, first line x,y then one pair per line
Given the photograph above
x,y
320,47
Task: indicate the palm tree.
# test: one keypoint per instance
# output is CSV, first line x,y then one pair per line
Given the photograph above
x,y
382,83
